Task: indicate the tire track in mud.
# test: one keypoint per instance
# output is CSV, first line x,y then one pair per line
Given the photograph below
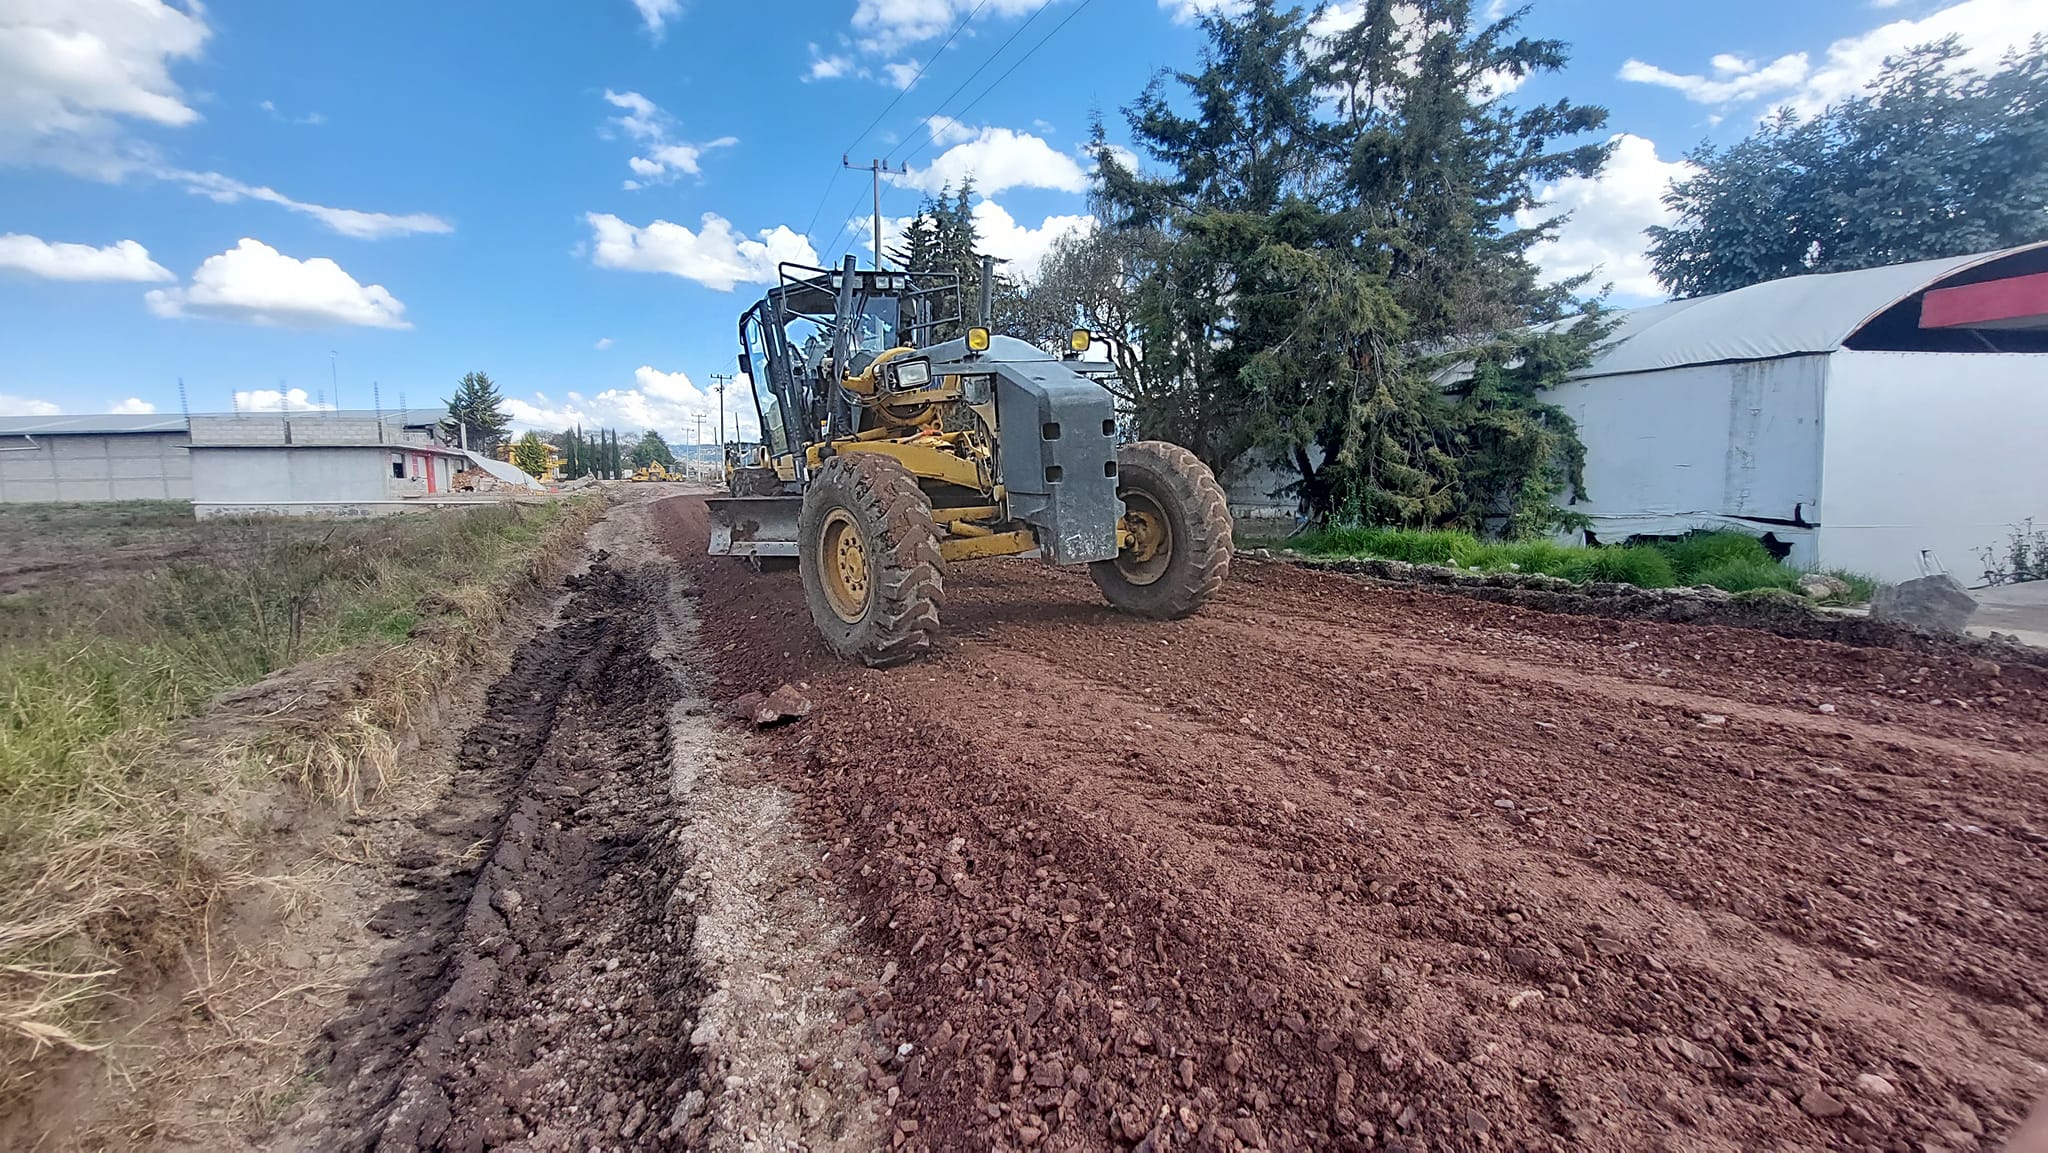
x,y
616,937
536,993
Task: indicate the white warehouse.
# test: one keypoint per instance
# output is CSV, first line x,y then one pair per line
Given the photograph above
x,y
1881,421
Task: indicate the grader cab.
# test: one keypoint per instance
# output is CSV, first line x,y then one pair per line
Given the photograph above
x,y
896,441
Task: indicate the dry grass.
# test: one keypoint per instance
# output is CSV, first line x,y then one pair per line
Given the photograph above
x,y
125,773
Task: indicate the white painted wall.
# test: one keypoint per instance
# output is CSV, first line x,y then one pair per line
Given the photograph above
x,y
1703,447
1938,451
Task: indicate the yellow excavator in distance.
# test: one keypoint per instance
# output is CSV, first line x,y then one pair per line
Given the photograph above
x,y
888,454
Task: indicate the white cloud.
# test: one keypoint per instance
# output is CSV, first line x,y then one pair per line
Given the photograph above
x,y
996,159
670,403
902,74
666,157
26,406
657,14
1608,215
886,26
256,284
946,130
71,71
273,400
347,221
1189,11
1734,79
134,406
314,119
603,342
1022,248
123,260
713,256
76,75
827,66
1987,29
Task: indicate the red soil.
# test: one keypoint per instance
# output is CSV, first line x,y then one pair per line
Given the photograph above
x,y
1334,864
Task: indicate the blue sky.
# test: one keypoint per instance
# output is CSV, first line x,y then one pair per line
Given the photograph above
x,y
579,199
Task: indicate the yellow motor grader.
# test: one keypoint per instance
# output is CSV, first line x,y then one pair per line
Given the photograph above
x,y
889,453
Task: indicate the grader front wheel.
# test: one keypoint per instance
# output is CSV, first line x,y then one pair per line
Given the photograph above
x,y
1179,533
869,554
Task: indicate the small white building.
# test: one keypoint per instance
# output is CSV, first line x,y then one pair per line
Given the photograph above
x,y
325,464
1887,421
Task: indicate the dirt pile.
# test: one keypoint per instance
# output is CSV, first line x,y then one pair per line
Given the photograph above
x,y
1338,865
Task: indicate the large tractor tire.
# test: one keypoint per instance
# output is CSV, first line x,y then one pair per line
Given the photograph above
x,y
1179,554
869,554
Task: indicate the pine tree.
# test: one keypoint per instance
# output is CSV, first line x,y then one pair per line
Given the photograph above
x,y
478,408
1314,269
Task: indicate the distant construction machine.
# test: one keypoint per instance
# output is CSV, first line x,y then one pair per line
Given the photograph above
x,y
888,454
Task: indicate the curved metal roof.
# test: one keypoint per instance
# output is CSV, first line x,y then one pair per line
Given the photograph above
x,y
1795,316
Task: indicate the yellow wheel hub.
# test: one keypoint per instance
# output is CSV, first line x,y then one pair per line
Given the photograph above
x,y
1145,557
1147,535
843,566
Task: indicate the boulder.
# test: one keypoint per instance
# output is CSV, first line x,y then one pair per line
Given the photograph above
x,y
1820,586
1935,603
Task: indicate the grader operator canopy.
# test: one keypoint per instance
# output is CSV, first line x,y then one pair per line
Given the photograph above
x,y
895,440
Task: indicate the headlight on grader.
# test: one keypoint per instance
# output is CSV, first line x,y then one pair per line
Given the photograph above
x,y
1077,341
912,374
977,340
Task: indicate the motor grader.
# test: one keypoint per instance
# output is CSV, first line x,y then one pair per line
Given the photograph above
x,y
897,441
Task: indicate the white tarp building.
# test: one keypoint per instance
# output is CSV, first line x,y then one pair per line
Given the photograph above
x,y
1879,421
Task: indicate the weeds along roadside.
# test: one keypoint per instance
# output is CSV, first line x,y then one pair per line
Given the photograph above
x,y
1731,561
127,752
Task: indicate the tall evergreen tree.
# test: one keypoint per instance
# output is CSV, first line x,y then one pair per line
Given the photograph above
x,y
1340,227
478,408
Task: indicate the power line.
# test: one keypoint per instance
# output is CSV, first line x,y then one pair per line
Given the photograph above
x,y
905,90
900,94
997,82
992,57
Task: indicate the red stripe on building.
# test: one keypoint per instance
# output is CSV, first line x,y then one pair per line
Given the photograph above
x,y
2015,302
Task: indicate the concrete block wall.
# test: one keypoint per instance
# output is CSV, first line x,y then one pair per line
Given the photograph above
x,y
132,466
303,429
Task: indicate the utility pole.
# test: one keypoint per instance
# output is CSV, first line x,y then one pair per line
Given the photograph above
x,y
719,380
334,377
874,169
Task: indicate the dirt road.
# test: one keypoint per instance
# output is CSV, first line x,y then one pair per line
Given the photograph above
x,y
1338,865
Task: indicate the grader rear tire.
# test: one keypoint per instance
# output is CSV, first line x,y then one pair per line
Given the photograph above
x,y
869,555
1175,510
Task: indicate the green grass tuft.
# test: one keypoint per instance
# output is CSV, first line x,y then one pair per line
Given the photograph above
x,y
1731,561
1746,574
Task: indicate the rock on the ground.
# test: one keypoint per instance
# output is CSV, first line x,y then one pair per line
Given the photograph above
x,y
1936,603
784,704
1820,587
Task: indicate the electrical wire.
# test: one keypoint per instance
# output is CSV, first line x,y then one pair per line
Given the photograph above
x,y
997,82
905,90
992,57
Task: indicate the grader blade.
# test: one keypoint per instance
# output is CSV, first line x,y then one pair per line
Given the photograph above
x,y
754,526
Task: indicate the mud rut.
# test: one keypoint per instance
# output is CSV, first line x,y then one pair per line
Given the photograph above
x,y
596,950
